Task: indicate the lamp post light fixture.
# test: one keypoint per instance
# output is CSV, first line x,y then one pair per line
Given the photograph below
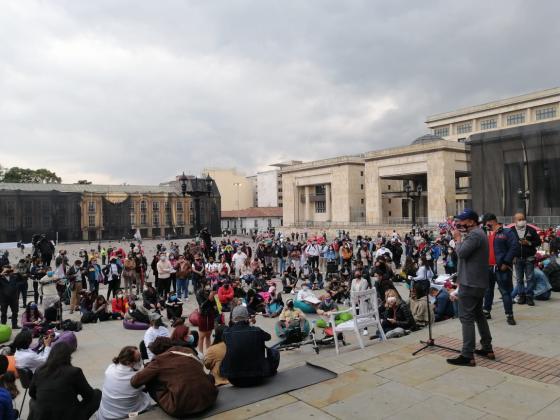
x,y
198,188
524,197
183,180
411,194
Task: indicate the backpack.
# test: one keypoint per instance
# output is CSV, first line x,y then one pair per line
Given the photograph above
x,y
69,325
89,318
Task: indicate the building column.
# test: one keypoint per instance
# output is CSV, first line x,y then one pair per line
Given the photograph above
x,y
328,201
441,186
374,206
306,216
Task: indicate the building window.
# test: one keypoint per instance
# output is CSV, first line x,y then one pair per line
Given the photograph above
x,y
545,113
390,213
320,207
489,124
155,206
143,206
167,219
11,223
46,220
362,201
155,219
388,187
132,219
28,221
91,221
441,131
91,207
389,201
180,220
319,190
361,186
514,119
143,220
131,207
361,173
179,206
462,140
464,127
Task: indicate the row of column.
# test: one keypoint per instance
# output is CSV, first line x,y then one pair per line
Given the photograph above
x,y
309,209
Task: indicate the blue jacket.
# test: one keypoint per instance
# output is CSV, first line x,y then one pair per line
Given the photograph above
x,y
444,306
506,246
6,406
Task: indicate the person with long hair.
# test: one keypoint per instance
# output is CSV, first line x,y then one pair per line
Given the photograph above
x,y
56,386
8,391
214,356
119,397
26,357
32,316
182,334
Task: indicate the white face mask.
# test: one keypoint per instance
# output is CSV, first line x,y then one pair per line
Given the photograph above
x,y
521,224
137,366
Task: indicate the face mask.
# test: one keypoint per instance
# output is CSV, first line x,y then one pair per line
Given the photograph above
x,y
137,366
190,339
428,257
162,258
432,299
145,288
521,224
119,296
450,250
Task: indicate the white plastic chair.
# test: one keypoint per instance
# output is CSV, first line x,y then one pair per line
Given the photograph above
x,y
365,313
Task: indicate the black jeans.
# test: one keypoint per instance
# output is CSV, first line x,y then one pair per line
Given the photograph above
x,y
113,286
11,303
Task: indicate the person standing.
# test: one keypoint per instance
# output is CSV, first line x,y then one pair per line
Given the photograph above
x,y
471,245
503,247
9,296
74,275
528,240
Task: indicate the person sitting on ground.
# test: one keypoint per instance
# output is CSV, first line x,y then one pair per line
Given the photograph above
x,y
255,302
289,280
225,295
173,307
119,397
275,304
327,306
119,305
424,275
443,305
137,313
247,361
33,319
182,334
290,317
421,309
26,357
8,391
101,308
56,386
157,329
176,380
315,281
215,355
150,298
397,314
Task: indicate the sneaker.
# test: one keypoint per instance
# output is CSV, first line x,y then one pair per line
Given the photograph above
x,y
487,314
521,300
462,361
530,301
489,354
510,320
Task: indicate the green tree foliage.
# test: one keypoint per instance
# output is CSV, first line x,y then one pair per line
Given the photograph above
x,y
36,176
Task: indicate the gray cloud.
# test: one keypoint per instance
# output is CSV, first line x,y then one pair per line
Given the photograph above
x,y
137,91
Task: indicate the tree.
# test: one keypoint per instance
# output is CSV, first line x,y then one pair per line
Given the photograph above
x,y
34,176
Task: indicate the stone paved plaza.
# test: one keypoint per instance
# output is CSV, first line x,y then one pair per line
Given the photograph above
x,y
385,380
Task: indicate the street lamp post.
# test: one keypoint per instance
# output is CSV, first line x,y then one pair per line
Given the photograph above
x,y
524,197
238,184
411,194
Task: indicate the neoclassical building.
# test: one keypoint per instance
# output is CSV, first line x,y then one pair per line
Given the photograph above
x,y
71,212
430,179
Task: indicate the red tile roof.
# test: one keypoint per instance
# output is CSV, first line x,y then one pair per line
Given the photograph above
x,y
253,212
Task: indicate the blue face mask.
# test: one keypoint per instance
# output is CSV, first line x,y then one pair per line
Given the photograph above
x,y
190,339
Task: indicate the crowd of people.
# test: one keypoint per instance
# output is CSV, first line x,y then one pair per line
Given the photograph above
x,y
233,281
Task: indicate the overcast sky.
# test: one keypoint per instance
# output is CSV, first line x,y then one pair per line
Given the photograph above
x,y
138,91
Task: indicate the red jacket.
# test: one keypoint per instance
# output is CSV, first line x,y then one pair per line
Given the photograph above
x,y
119,305
225,295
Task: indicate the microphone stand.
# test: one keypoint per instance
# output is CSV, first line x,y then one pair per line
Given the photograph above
x,y
430,342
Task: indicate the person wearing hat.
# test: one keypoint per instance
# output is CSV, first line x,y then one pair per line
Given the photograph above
x,y
247,361
471,245
503,248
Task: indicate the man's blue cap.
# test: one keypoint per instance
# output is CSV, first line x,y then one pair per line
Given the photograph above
x,y
467,214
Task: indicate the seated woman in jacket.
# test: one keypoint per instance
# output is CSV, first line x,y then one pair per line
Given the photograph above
x,y
176,380
137,313
422,310
397,314
215,355
101,308
182,334
247,361
26,357
119,397
56,386
119,305
443,305
33,319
